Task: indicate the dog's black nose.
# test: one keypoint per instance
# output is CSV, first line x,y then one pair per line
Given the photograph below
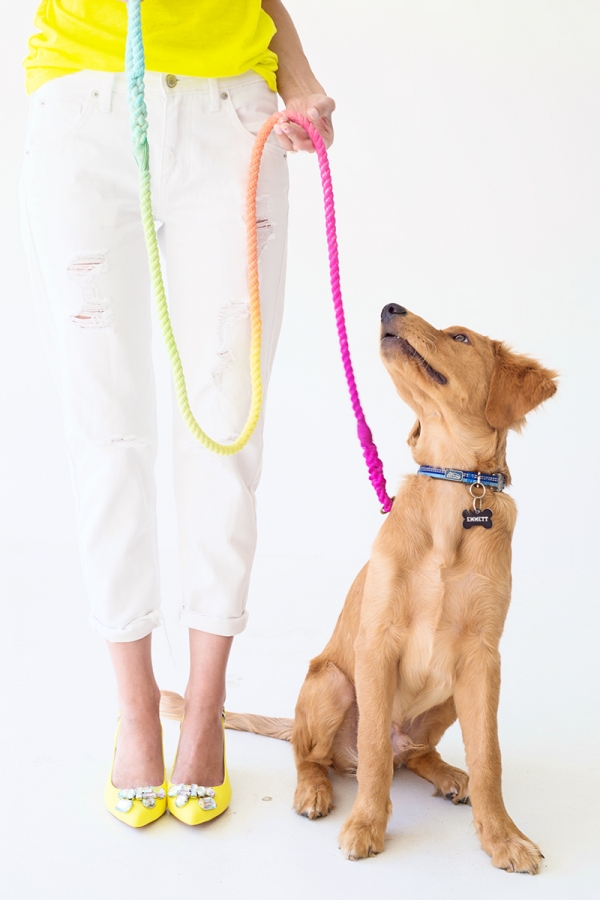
x,y
392,309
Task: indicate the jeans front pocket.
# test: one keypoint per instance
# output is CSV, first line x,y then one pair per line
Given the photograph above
x,y
55,119
249,106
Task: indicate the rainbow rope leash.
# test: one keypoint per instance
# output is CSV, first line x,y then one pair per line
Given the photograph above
x,y
139,128
134,67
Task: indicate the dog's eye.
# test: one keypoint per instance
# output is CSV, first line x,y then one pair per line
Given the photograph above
x,y
462,337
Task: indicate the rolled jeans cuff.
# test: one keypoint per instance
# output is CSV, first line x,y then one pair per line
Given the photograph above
x,y
229,627
135,631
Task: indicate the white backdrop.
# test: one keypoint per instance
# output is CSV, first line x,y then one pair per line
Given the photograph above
x,y
465,169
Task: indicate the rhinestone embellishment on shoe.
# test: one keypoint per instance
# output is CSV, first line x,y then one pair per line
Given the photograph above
x,y
184,792
148,796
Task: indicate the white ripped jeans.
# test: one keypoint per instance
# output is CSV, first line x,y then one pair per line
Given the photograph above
x,y
91,288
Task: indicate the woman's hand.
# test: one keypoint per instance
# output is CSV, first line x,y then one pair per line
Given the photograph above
x,y
318,108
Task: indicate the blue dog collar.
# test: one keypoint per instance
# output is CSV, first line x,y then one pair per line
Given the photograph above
x,y
495,482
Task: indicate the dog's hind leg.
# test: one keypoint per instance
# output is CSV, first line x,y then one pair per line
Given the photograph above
x,y
324,699
450,782
425,732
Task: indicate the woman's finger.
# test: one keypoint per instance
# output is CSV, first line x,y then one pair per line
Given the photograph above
x,y
298,137
283,139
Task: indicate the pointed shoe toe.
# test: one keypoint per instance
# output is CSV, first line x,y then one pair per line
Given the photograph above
x,y
136,806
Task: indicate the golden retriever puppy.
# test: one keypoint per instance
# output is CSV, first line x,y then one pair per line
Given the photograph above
x,y
416,644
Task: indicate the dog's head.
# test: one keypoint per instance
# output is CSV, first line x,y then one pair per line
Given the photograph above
x,y
460,377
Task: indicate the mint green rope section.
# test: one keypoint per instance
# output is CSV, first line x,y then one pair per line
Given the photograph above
x,y
134,67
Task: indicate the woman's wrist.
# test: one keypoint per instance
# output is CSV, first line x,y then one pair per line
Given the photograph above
x,y
290,86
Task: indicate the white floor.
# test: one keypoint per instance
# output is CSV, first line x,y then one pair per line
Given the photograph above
x,y
59,843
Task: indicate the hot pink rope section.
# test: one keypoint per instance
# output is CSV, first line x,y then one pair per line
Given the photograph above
x,y
365,437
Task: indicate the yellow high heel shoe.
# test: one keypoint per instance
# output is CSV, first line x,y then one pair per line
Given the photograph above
x,y
195,804
137,806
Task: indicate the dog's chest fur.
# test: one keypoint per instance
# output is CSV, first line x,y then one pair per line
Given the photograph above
x,y
455,594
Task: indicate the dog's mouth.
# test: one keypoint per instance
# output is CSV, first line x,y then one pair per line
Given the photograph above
x,y
408,350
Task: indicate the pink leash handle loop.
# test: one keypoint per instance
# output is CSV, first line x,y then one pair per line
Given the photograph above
x,y
365,437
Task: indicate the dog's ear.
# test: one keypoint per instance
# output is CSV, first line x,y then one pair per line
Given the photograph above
x,y
518,385
414,435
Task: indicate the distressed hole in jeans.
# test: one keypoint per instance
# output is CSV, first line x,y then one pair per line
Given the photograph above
x,y
95,312
227,319
125,440
264,226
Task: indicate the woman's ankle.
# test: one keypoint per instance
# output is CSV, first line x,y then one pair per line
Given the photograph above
x,y
199,706
141,709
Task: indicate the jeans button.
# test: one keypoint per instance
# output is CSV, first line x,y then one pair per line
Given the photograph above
x,y
171,81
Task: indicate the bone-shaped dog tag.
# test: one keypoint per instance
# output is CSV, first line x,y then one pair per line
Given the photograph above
x,y
473,517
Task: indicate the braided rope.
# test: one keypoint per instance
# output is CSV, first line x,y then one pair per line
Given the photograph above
x,y
139,128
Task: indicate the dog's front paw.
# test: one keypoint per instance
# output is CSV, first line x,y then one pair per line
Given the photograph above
x,y
453,784
314,798
360,838
515,853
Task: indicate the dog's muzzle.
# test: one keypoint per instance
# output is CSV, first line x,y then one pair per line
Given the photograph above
x,y
388,313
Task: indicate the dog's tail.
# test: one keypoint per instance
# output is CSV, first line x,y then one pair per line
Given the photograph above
x,y
171,707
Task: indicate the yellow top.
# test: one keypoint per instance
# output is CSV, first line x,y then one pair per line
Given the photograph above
x,y
205,38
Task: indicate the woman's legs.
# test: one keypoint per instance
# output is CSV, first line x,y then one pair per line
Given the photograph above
x,y
200,753
139,757
90,270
